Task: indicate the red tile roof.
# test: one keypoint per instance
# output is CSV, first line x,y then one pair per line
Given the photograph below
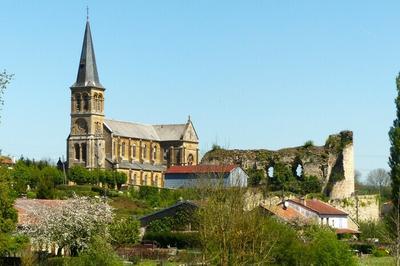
x,y
200,169
27,207
346,231
285,214
318,206
6,160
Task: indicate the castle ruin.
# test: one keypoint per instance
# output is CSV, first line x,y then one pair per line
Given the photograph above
x,y
332,164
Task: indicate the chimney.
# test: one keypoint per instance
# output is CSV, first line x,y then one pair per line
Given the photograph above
x,y
303,201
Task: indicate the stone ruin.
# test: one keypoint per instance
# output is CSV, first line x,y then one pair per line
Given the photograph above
x,y
332,164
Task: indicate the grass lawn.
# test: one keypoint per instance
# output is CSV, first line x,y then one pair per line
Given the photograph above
x,y
125,206
154,263
376,261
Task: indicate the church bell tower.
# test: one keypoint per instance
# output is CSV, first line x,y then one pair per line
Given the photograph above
x,y
85,143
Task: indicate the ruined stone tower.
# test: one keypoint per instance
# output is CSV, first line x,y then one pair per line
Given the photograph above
x,y
85,144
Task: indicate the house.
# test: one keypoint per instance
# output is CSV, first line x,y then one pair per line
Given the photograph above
x,y
313,211
191,175
187,207
7,161
28,216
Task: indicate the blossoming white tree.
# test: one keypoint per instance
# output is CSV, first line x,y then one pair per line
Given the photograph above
x,y
71,225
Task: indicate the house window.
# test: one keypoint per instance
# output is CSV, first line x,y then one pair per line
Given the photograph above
x,y
144,180
120,149
134,178
154,180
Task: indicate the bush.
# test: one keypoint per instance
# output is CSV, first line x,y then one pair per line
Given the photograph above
x,y
99,253
31,195
174,239
379,252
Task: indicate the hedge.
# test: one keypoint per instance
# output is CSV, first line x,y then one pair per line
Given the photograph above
x,y
181,240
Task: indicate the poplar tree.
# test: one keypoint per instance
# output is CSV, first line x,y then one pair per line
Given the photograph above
x,y
394,159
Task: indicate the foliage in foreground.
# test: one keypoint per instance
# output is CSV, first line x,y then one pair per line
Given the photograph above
x,y
229,235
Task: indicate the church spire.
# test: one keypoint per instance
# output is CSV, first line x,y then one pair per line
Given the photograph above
x,y
87,72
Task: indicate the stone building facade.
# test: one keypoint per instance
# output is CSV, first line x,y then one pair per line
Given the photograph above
x,y
142,151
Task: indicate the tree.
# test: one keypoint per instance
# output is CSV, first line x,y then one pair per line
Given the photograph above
x,y
394,163
79,175
9,242
255,176
357,178
394,159
124,231
378,178
71,225
4,81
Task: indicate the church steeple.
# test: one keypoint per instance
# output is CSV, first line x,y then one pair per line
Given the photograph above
x,y
87,72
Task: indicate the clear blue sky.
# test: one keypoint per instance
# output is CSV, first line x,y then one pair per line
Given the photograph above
x,y
252,74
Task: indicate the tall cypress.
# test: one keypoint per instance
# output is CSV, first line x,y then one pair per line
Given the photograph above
x,y
394,159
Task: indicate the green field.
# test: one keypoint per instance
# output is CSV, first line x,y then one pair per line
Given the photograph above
x,y
376,261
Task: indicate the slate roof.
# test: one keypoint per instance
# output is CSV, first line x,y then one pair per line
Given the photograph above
x,y
132,130
200,169
169,211
148,132
141,166
87,72
170,132
318,206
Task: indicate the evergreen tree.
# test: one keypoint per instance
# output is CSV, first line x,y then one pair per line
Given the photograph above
x,y
394,135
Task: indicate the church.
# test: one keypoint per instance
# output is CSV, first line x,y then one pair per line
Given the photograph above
x,y
142,151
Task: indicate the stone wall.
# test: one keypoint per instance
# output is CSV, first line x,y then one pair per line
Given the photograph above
x,y
362,208
332,163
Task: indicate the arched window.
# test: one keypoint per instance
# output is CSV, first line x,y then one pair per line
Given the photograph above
x,y
77,151
115,148
100,103
95,100
78,102
120,149
99,100
84,157
190,159
133,150
144,151
123,149
134,179
154,181
154,152
144,181
85,102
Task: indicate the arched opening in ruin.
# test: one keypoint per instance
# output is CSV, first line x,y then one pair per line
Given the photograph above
x,y
299,170
270,171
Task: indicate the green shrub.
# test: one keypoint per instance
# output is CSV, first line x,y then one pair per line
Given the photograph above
x,y
174,239
31,195
379,252
308,144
